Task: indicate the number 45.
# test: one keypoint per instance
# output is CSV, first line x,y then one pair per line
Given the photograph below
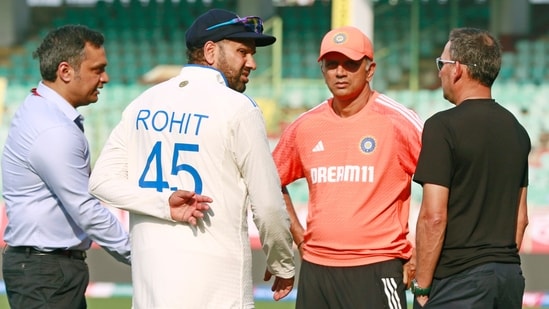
x,y
159,183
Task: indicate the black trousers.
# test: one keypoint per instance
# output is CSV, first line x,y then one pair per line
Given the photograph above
x,y
44,281
373,286
491,285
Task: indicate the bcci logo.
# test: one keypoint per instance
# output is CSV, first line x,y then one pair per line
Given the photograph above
x,y
368,145
340,38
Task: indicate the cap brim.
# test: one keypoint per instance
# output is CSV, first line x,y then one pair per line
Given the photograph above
x,y
259,38
351,54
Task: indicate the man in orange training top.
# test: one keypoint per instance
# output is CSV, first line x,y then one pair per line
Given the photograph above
x,y
358,152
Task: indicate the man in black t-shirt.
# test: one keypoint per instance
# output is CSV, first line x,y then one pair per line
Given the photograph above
x,y
473,167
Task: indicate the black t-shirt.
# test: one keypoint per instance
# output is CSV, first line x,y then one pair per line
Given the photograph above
x,y
479,151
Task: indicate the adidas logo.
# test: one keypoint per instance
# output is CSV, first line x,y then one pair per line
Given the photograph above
x,y
318,147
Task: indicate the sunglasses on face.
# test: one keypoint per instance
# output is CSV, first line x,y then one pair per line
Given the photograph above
x,y
440,63
251,23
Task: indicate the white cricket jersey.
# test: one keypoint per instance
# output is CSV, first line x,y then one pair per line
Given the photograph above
x,y
192,132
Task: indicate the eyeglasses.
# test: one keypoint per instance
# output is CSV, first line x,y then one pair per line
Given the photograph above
x,y
251,23
440,63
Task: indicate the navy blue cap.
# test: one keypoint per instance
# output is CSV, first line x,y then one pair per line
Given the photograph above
x,y
197,35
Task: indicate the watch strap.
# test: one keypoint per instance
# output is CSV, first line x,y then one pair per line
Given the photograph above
x,y
419,291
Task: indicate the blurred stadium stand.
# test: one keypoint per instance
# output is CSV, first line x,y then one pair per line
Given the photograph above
x,y
143,35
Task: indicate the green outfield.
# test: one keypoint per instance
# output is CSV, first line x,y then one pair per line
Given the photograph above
x,y
124,302
121,303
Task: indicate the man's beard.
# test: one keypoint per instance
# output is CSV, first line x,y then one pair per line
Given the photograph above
x,y
233,80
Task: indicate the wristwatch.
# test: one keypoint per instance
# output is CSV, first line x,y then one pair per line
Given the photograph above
x,y
419,291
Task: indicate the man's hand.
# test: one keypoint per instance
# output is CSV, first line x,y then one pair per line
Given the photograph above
x,y
422,300
281,286
187,206
409,270
300,247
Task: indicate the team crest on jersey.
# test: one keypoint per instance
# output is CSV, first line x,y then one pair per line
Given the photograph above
x,y
367,145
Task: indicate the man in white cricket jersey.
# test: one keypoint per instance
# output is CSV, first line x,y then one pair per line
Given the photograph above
x,y
198,131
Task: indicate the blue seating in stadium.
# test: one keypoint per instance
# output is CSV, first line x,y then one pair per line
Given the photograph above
x,y
141,35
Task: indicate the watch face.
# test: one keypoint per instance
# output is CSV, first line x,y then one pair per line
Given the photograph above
x,y
414,285
417,290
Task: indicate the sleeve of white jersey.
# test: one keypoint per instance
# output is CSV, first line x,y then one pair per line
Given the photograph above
x,y
253,156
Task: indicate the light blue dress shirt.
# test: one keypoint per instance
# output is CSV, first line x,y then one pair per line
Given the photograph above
x,y
45,171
